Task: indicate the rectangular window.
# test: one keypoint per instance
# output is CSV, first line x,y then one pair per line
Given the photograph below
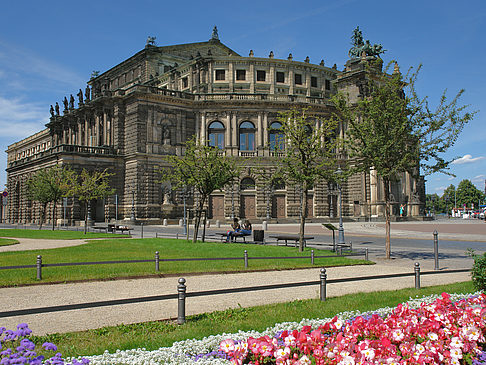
x,y
240,75
298,79
328,85
220,75
261,75
313,81
185,82
280,76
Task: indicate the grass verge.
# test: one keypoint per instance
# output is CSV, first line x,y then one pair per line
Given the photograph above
x,y
152,335
54,235
7,242
140,249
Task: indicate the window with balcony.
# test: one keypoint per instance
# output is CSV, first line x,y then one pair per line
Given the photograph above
x,y
261,75
216,134
313,81
240,75
220,75
276,137
328,84
247,136
185,82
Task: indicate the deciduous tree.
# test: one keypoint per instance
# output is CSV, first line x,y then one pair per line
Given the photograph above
x,y
308,154
392,130
204,168
89,186
48,186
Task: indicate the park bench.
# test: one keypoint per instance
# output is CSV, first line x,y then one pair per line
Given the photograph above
x,y
291,237
224,235
101,227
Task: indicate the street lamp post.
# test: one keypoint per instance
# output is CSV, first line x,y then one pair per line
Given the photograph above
x,y
340,197
132,216
184,196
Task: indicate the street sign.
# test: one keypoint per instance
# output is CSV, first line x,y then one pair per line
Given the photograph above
x,y
5,193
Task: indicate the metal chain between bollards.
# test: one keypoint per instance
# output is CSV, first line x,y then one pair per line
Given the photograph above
x,y
157,260
417,275
181,301
323,282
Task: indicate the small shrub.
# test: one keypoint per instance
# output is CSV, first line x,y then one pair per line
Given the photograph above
x,y
478,271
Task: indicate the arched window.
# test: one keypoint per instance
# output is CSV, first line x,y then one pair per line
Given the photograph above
x,y
276,136
216,134
247,136
247,184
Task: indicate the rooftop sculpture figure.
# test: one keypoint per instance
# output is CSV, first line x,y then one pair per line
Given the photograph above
x,y
360,46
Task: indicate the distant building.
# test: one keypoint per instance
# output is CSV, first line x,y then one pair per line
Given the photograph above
x,y
146,107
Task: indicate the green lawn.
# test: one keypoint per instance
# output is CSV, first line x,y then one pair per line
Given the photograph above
x,y
7,242
139,249
152,335
54,235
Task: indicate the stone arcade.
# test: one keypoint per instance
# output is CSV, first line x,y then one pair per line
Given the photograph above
x,y
146,107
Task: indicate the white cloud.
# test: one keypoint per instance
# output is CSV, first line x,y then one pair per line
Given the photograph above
x,y
450,178
479,178
18,61
467,159
19,119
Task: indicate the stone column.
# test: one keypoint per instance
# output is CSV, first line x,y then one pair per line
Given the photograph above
x,y
291,82
373,192
210,78
251,78
231,77
232,122
259,132
308,82
272,79
203,128
265,129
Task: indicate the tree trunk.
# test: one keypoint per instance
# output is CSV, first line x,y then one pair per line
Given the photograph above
x,y
204,225
303,215
43,214
386,183
198,218
54,214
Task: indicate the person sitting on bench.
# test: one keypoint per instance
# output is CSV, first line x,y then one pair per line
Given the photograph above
x,y
246,228
236,229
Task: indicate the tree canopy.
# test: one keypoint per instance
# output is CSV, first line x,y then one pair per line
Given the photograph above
x,y
468,194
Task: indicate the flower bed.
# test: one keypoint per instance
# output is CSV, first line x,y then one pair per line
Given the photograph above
x,y
207,350
17,348
441,332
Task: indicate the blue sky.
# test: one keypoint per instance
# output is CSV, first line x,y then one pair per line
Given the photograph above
x,y
48,50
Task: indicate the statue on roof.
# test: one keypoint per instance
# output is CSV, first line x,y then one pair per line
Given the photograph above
x,y
57,108
360,46
214,35
150,41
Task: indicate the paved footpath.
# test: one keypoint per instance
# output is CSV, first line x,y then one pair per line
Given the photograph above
x,y
77,320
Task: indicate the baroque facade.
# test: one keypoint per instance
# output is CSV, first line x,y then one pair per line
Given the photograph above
x,y
134,114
